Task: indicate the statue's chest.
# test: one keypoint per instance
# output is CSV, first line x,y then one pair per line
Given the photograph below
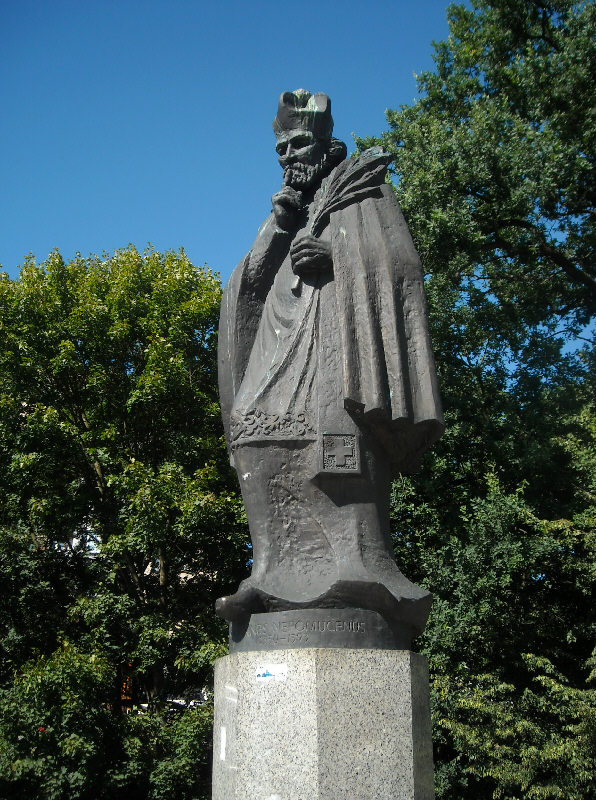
x,y
292,294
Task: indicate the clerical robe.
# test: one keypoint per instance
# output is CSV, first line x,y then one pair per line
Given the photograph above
x,y
328,388
294,353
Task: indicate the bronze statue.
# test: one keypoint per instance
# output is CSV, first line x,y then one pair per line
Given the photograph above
x,y
327,380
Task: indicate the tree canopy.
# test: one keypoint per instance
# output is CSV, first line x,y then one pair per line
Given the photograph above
x,y
496,156
119,526
494,168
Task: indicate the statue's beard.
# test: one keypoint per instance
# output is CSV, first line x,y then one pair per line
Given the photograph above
x,y
301,176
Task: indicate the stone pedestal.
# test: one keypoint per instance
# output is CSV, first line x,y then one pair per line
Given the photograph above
x,y
314,724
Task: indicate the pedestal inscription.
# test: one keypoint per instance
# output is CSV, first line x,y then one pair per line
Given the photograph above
x,y
316,627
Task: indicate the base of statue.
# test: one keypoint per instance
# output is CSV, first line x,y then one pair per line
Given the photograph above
x,y
308,724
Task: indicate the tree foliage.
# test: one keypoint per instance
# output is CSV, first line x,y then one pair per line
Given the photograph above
x,y
495,170
119,526
496,157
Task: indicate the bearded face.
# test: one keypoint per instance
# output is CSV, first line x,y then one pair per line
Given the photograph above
x,y
303,158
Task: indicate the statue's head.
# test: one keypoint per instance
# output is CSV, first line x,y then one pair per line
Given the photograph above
x,y
303,127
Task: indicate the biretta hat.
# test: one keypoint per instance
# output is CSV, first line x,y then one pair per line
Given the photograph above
x,y
301,110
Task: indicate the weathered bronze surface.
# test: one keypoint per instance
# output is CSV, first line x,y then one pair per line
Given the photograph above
x,y
327,381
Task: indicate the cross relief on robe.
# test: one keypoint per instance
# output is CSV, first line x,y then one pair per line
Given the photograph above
x,y
340,452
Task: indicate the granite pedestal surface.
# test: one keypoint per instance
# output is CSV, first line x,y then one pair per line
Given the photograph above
x,y
314,723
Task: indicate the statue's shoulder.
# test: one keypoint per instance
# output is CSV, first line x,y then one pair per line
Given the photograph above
x,y
269,242
352,181
372,162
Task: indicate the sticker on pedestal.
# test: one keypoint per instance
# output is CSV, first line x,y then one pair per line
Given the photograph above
x,y
271,672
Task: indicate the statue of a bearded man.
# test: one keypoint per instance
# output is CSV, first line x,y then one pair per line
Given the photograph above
x,y
327,380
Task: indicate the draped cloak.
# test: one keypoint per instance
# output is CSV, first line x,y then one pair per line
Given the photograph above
x,y
294,353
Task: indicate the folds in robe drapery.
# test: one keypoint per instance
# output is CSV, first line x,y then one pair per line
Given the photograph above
x,y
242,304
388,367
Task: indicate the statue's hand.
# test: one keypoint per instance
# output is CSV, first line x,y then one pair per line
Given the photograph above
x,y
286,205
309,254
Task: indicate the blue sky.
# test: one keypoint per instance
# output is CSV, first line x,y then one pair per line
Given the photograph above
x,y
150,120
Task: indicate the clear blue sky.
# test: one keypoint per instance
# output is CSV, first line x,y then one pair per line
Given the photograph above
x,y
150,120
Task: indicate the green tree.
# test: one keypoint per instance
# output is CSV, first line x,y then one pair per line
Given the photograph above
x,y
119,524
494,167
496,157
